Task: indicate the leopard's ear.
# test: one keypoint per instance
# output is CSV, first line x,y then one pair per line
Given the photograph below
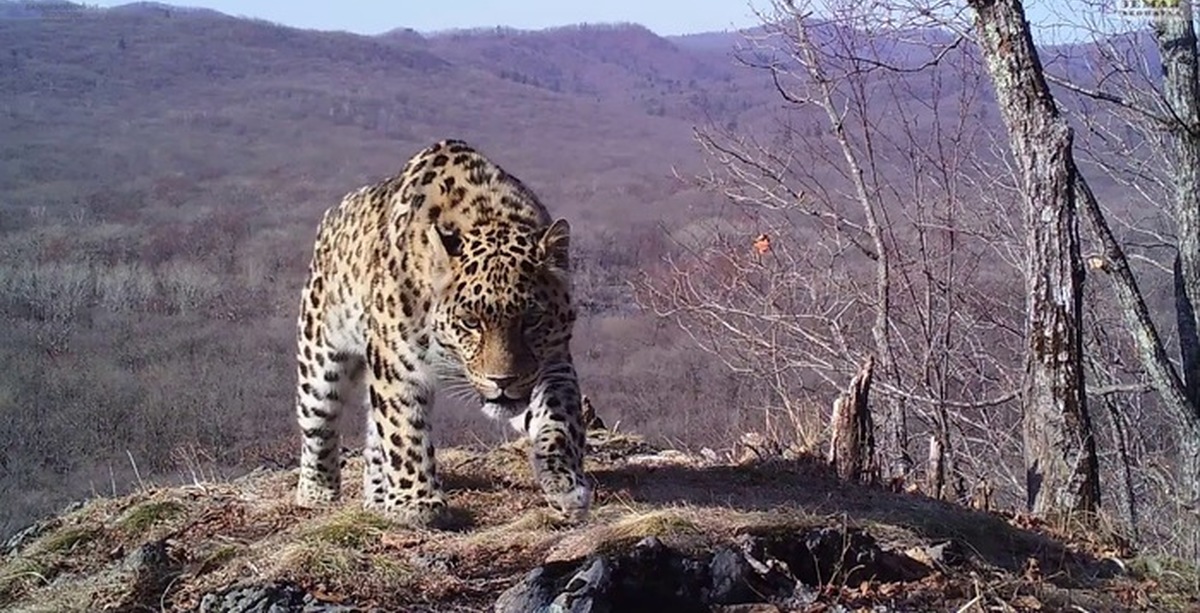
x,y
443,246
555,245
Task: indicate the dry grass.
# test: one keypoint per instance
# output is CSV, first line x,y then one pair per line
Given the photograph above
x,y
249,529
352,528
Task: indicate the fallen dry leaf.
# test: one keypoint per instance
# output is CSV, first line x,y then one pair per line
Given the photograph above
x,y
400,541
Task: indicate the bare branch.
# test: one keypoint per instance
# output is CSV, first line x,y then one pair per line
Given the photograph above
x,y
1096,94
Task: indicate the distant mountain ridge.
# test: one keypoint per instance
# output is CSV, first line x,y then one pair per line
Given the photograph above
x,y
326,100
227,83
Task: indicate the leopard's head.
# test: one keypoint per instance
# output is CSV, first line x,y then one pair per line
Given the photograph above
x,y
502,305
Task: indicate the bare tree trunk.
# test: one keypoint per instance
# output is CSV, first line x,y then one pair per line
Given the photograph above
x,y
1176,36
1060,455
1187,324
1170,114
1121,442
852,445
1150,349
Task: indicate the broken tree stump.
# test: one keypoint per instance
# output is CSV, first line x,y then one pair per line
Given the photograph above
x,y
935,484
852,444
591,420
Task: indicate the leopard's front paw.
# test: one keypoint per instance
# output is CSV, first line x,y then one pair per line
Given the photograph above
x,y
316,490
574,504
563,482
422,513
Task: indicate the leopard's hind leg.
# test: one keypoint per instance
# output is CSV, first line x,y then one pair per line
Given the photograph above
x,y
328,375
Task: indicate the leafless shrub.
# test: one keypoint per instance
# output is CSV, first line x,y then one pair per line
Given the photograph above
x,y
125,287
857,230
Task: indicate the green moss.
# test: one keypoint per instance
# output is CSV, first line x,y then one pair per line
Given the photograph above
x,y
662,524
776,529
42,561
354,529
67,539
219,557
349,570
322,561
388,573
149,514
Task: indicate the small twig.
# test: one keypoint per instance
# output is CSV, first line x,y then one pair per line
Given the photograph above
x,y
29,573
136,472
970,603
934,61
162,600
1120,388
980,404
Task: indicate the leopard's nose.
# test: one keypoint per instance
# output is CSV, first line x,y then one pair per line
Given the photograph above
x,y
502,381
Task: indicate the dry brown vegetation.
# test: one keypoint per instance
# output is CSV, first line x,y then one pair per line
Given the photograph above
x,y
248,530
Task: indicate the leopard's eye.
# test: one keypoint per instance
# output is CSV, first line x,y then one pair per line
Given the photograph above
x,y
531,317
469,323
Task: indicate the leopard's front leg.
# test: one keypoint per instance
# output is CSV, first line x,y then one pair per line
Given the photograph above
x,y
554,426
400,396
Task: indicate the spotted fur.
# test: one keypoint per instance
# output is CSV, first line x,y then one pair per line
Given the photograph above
x,y
449,275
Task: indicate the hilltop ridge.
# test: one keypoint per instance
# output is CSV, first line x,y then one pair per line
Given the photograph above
x,y
670,529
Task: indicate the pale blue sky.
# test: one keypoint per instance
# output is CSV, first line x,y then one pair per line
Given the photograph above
x,y
1052,20
374,16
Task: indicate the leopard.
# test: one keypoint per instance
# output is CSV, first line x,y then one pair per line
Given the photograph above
x,y
450,276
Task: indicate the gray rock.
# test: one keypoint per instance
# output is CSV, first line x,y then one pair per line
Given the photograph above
x,y
758,569
268,598
153,569
150,559
276,597
948,553
538,589
730,574
585,592
23,537
27,535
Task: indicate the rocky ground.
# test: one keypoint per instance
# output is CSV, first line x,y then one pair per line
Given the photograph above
x,y
671,532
